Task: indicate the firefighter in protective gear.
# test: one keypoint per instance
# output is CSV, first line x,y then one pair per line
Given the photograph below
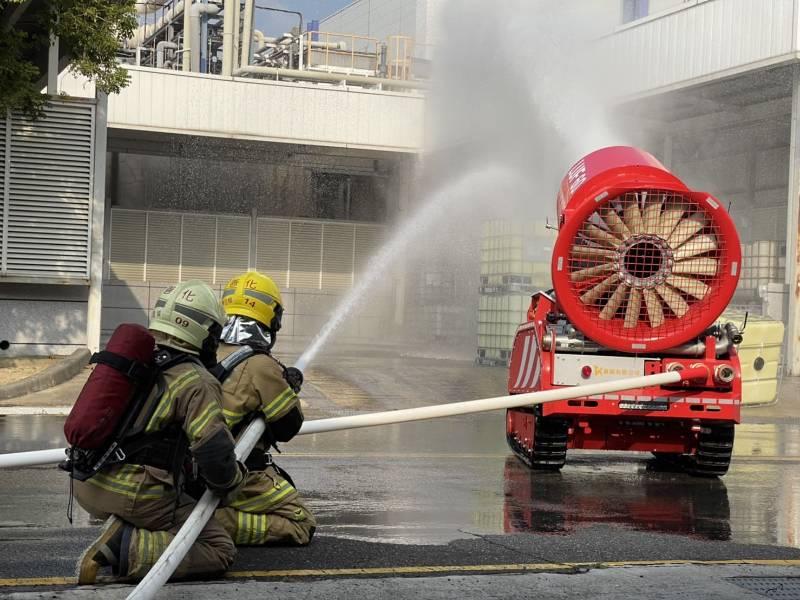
x,y
142,497
267,509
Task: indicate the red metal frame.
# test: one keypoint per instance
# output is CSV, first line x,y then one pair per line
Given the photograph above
x,y
598,422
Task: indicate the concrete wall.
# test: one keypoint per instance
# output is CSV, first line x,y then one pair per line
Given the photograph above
x,y
40,320
260,109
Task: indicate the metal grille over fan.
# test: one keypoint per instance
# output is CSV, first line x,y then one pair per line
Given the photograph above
x,y
645,269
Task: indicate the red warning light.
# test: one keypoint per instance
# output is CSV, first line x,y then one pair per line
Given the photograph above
x,y
586,371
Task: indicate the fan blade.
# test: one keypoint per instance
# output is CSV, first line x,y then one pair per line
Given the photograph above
x,y
686,229
632,216
670,217
615,224
601,236
593,294
654,310
688,285
614,302
696,266
633,309
593,252
673,299
590,272
696,246
652,215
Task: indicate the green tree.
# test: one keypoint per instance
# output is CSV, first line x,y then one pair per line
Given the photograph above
x,y
89,31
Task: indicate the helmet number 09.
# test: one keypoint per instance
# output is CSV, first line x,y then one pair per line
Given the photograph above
x,y
182,322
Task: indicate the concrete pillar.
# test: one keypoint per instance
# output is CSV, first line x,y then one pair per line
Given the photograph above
x,y
793,223
95,302
401,194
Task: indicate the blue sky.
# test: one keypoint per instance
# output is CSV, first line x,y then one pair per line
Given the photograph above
x,y
272,23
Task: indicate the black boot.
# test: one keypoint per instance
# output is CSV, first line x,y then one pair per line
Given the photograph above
x,y
110,549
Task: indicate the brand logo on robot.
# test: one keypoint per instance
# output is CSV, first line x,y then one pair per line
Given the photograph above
x,y
599,371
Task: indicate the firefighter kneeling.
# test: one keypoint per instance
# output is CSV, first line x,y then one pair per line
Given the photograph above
x,y
138,486
267,509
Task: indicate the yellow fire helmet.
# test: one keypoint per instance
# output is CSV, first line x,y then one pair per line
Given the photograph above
x,y
256,296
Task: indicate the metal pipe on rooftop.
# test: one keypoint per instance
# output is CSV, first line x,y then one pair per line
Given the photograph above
x,y
329,77
160,47
144,34
247,32
195,15
237,23
187,38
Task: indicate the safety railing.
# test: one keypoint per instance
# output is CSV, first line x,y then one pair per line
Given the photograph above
x,y
340,53
400,56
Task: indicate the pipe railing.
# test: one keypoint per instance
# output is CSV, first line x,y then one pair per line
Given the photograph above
x,y
278,73
331,46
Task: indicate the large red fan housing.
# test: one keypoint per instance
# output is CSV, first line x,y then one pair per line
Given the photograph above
x,y
642,263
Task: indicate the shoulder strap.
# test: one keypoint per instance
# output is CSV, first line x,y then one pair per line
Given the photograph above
x,y
225,367
131,368
146,403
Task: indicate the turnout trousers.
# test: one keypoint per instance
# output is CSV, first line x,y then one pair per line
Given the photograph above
x,y
267,510
148,503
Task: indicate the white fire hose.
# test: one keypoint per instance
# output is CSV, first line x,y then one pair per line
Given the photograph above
x,y
186,536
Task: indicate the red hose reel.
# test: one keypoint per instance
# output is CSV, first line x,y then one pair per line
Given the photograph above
x,y
641,263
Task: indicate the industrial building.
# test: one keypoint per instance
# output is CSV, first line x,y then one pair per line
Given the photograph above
x,y
293,155
191,174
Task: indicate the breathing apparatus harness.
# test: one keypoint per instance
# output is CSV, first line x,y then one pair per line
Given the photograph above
x,y
293,377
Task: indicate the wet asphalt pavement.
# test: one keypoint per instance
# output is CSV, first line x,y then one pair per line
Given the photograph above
x,y
447,495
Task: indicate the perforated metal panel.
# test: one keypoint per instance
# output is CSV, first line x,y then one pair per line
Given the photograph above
x,y
47,192
368,239
198,247
163,247
337,256
306,255
272,249
233,247
128,242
